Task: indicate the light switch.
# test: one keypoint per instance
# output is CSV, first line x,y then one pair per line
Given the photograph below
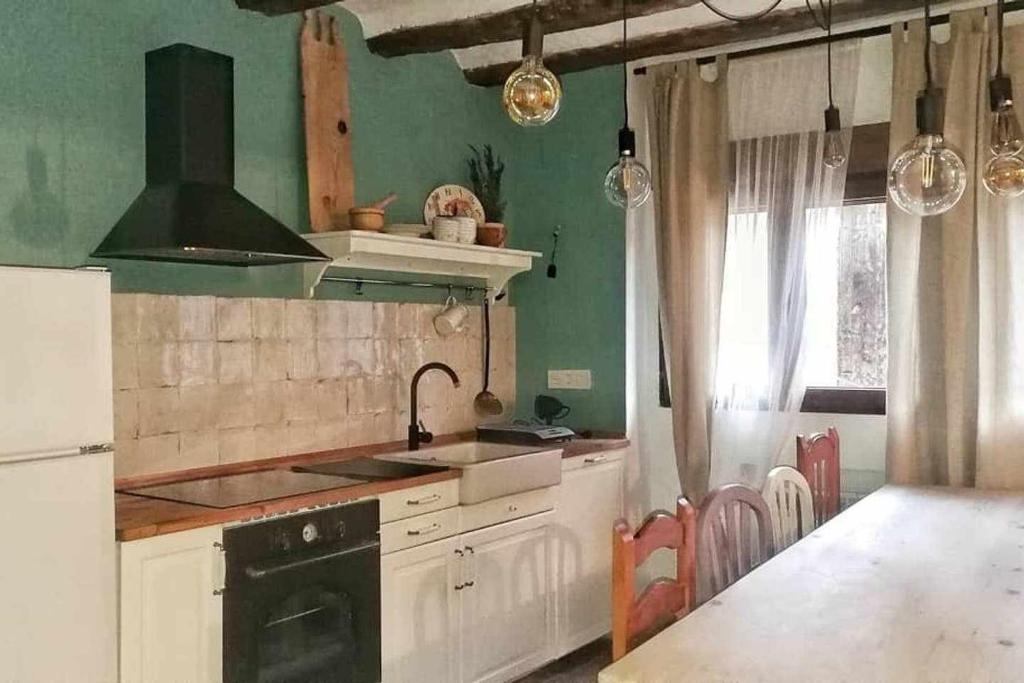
x,y
569,379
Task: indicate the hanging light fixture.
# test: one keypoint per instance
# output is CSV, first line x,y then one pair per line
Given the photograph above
x,y
532,94
1004,172
833,151
927,177
628,182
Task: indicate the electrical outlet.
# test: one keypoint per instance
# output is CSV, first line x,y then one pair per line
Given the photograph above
x,y
569,379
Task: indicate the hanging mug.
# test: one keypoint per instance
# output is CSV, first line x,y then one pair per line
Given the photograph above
x,y
451,319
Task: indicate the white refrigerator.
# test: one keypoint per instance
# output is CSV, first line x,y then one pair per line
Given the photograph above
x,y
57,550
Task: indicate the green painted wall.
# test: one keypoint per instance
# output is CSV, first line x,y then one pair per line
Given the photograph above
x,y
576,321
72,129
72,159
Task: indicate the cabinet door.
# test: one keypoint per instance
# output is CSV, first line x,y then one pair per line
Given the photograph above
x,y
419,612
590,500
507,615
171,609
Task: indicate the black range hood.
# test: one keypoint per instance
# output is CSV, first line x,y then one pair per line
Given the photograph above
x,y
189,210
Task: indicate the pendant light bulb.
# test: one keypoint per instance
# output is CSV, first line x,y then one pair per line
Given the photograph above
x,y
1004,176
628,182
833,151
532,94
927,177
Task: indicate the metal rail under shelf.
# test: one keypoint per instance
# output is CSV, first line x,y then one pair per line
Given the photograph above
x,y
360,282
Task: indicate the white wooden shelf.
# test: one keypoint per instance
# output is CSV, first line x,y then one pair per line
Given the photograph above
x,y
373,251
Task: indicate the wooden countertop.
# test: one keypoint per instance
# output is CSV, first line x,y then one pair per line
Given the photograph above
x,y
909,584
136,517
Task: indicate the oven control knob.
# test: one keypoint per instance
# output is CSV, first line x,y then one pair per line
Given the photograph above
x,y
310,533
341,529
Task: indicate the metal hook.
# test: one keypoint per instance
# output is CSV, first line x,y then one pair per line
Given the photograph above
x,y
359,288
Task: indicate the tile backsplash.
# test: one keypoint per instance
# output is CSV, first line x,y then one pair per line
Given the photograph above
x,y
202,381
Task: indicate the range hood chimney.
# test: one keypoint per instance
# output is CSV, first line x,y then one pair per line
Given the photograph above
x,y
189,210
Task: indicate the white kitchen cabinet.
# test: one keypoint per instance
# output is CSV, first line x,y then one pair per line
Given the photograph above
x,y
419,613
507,613
590,500
171,609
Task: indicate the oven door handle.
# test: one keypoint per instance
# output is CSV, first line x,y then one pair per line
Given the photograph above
x,y
265,570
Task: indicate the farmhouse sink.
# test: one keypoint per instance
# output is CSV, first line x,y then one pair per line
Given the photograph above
x,y
491,470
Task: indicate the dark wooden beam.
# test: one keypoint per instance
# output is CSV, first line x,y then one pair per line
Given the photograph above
x,y
276,7
721,34
497,27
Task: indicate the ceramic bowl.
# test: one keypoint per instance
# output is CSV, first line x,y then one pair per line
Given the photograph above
x,y
366,219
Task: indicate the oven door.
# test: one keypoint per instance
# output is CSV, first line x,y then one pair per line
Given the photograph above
x,y
308,618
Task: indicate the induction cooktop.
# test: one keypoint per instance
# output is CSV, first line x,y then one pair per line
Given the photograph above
x,y
243,489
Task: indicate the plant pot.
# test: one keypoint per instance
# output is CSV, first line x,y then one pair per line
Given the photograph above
x,y
491,234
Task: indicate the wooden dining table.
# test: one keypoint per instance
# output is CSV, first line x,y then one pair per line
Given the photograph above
x,y
909,584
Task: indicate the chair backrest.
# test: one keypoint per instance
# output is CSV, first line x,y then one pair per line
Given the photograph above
x,y
817,458
734,534
664,600
790,502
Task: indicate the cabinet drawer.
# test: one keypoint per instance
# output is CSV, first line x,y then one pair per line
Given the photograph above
x,y
413,531
404,503
592,459
505,508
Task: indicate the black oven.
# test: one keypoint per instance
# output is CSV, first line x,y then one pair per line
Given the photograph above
x,y
302,598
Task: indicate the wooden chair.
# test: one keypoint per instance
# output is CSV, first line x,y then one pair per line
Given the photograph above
x,y
817,458
727,540
790,503
664,600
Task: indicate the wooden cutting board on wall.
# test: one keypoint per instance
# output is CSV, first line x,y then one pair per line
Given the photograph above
x,y
328,122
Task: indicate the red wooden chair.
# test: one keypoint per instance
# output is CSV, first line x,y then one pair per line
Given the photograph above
x,y
664,600
734,534
817,458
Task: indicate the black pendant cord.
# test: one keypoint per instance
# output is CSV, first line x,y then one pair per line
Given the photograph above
x,y
828,48
1000,9
625,82
740,17
929,81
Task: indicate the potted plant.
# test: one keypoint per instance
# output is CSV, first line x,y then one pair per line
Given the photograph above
x,y
485,171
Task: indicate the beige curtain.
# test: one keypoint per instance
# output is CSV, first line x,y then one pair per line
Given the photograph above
x,y
689,141
956,312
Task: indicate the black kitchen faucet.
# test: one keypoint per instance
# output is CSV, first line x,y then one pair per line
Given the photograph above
x,y
417,432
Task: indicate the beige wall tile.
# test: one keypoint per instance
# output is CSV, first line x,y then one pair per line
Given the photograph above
x,y
126,366
158,453
199,407
269,400
158,365
126,414
237,445
198,362
198,449
331,356
268,318
331,319
158,411
302,437
331,399
271,441
427,314
234,362
360,319
302,359
271,360
124,318
198,318
361,359
300,319
385,320
126,458
332,434
234,319
410,357
158,317
236,406
407,321
300,401
371,395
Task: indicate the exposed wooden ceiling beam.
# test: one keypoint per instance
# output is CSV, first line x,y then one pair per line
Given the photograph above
x,y
497,27
779,23
275,7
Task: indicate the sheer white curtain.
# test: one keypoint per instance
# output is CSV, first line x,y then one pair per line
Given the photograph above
x,y
784,209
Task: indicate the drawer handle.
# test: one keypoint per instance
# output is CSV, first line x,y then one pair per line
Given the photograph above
x,y
425,500
423,531
593,460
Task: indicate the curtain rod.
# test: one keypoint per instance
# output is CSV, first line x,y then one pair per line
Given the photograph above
x,y
1011,6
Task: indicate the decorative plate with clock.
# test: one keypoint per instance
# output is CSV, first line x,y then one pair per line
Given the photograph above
x,y
452,200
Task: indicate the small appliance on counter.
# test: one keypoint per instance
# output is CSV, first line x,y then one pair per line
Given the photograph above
x,y
524,433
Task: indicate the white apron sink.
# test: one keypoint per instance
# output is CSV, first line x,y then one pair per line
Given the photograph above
x,y
491,470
